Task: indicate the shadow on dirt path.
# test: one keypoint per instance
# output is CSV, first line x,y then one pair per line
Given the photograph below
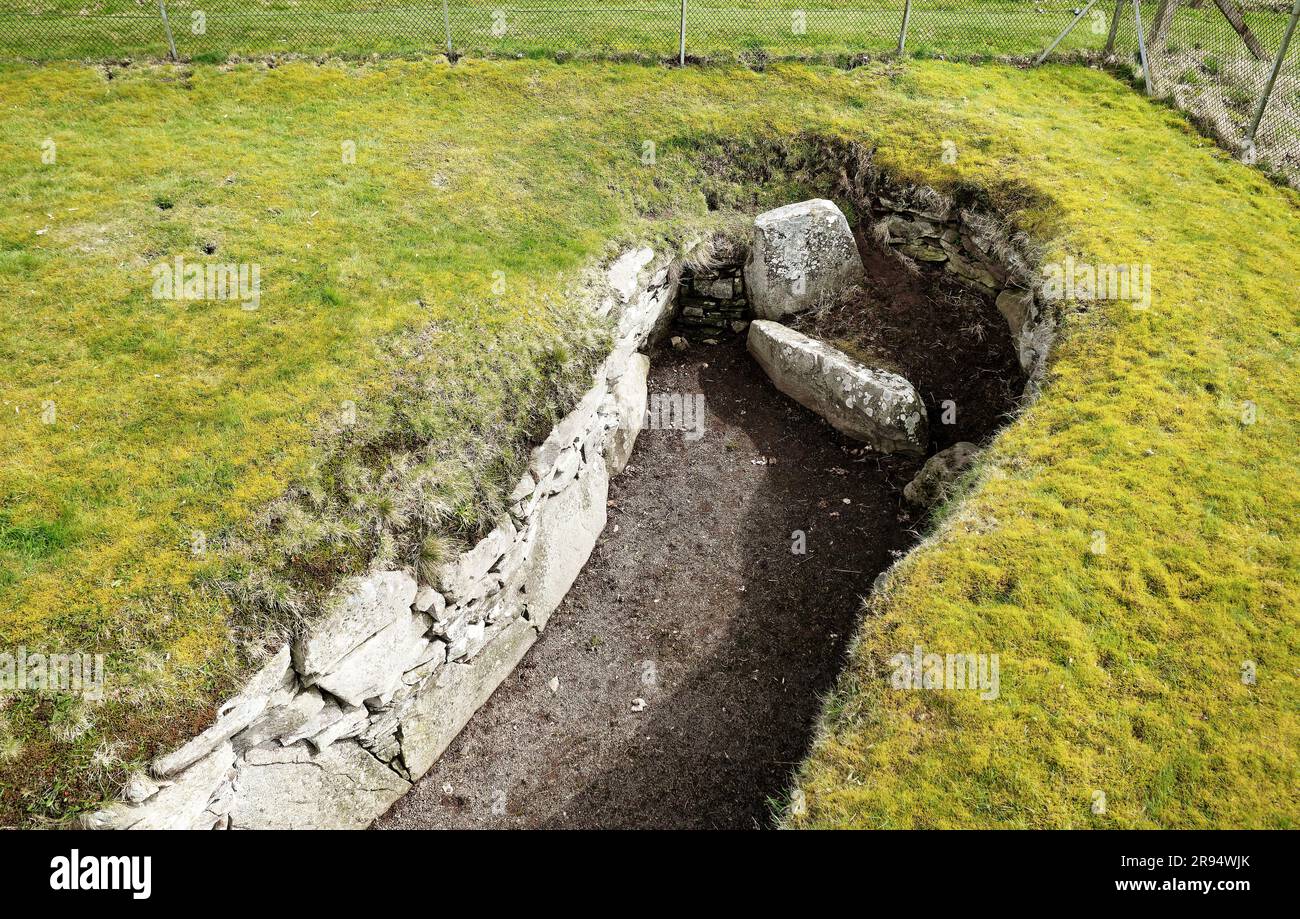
x,y
695,602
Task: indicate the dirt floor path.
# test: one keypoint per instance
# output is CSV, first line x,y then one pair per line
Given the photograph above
x,y
694,602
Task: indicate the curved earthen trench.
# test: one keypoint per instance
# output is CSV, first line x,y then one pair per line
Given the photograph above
x,y
679,682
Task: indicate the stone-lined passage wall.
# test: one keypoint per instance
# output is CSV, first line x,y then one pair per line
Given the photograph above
x,y
977,249
712,300
337,725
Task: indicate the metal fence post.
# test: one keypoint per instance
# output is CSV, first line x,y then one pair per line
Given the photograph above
x,y
681,46
902,32
1142,48
1114,28
167,27
1068,29
1272,77
446,23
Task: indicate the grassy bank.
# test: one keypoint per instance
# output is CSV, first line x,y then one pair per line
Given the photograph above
x,y
415,328
1129,547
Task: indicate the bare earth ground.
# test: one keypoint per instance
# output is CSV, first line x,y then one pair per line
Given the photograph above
x,y
694,602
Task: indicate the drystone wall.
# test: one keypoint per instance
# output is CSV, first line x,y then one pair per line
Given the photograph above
x,y
712,301
336,726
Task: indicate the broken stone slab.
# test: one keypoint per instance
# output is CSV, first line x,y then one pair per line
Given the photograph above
x,y
625,273
647,318
930,486
901,229
330,714
434,656
803,254
870,405
139,788
626,407
352,723
970,272
568,526
460,578
365,606
428,600
232,717
280,720
458,691
341,787
924,252
375,668
465,639
178,805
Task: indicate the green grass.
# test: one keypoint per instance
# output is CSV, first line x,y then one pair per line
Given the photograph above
x,y
176,417
53,29
1120,672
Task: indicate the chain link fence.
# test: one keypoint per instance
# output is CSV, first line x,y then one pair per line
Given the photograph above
x,y
1227,62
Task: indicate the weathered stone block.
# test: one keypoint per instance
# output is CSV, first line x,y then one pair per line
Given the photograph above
x,y
874,406
458,691
931,484
802,254
340,787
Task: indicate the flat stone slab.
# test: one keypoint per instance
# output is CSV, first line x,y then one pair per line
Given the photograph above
x,y
874,406
341,787
802,254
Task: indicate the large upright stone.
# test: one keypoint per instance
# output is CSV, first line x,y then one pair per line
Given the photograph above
x,y
459,690
625,409
569,524
802,254
874,406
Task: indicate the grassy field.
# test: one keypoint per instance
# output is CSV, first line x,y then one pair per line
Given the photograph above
x,y
425,285
780,28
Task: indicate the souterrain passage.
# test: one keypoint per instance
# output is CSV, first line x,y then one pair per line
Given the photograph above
x,y
679,683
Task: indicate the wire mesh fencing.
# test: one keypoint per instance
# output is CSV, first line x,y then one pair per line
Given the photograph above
x,y
1217,59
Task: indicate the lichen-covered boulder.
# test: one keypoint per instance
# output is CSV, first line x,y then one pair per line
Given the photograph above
x,y
931,484
802,254
874,406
